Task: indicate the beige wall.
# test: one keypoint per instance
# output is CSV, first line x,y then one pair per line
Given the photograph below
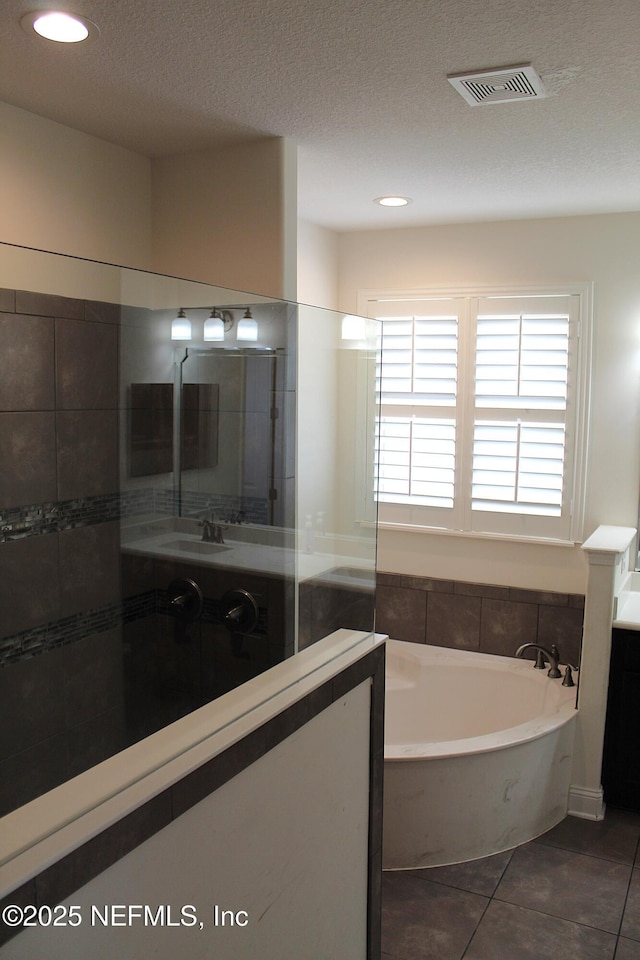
x,y
223,215
602,249
317,265
65,191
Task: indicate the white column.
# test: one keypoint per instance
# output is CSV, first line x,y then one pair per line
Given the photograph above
x,y
607,553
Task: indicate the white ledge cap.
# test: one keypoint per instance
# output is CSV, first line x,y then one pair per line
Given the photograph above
x,y
609,540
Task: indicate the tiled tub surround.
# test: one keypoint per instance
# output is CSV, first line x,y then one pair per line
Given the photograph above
x,y
480,617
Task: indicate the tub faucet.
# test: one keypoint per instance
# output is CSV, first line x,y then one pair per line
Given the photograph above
x,y
552,657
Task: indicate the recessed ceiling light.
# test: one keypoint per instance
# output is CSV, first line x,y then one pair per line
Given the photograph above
x,y
60,27
392,201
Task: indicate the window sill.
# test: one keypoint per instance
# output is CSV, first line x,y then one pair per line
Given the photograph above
x,y
471,535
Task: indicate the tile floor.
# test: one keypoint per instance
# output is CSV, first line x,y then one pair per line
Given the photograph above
x,y
572,894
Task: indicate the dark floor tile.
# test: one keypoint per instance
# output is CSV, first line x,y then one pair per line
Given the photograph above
x,y
569,885
423,920
628,949
614,838
508,932
476,876
631,918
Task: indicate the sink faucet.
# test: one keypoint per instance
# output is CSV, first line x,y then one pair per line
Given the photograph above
x,y
211,532
552,657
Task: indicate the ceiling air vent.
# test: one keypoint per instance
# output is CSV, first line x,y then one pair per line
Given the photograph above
x,y
499,86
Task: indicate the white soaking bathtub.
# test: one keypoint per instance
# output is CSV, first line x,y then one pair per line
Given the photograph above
x,y
477,755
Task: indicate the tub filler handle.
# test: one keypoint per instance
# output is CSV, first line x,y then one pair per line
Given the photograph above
x,y
552,657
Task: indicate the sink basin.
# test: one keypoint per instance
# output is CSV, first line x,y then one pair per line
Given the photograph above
x,y
197,546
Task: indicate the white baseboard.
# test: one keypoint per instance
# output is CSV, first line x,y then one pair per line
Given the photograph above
x,y
586,802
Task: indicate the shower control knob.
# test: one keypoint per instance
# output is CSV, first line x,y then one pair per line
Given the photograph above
x,y
239,611
185,599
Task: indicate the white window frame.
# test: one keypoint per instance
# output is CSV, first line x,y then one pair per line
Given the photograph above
x,y
566,529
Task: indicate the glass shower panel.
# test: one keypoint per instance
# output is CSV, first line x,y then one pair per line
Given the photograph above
x,y
176,517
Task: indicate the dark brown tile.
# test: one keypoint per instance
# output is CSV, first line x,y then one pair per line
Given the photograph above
x,y
506,625
423,920
584,889
28,458
29,587
628,949
453,621
562,626
614,838
33,772
87,453
429,584
482,590
93,676
519,595
86,365
32,698
508,932
476,876
401,613
631,918
98,311
89,567
49,305
26,363
95,740
7,300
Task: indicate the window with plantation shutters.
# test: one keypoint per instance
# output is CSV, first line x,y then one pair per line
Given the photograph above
x,y
482,413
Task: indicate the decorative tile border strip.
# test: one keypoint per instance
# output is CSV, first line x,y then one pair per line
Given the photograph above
x,y
61,633
32,520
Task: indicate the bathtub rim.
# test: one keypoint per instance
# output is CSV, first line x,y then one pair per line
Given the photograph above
x,y
487,743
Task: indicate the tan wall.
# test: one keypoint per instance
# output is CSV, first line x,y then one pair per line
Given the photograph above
x,y
223,216
65,191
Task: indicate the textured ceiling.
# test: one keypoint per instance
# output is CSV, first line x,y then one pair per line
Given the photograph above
x,y
361,86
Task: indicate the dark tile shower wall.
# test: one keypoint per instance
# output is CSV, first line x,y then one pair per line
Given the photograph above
x,y
479,617
60,544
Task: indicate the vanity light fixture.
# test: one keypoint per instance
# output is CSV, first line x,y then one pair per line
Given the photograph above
x,y
392,201
59,26
181,327
247,327
214,326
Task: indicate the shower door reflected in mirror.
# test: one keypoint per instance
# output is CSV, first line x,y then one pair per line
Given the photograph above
x,y
230,442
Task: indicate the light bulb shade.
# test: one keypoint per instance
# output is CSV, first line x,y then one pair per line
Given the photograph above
x,y
354,328
181,327
214,328
247,329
